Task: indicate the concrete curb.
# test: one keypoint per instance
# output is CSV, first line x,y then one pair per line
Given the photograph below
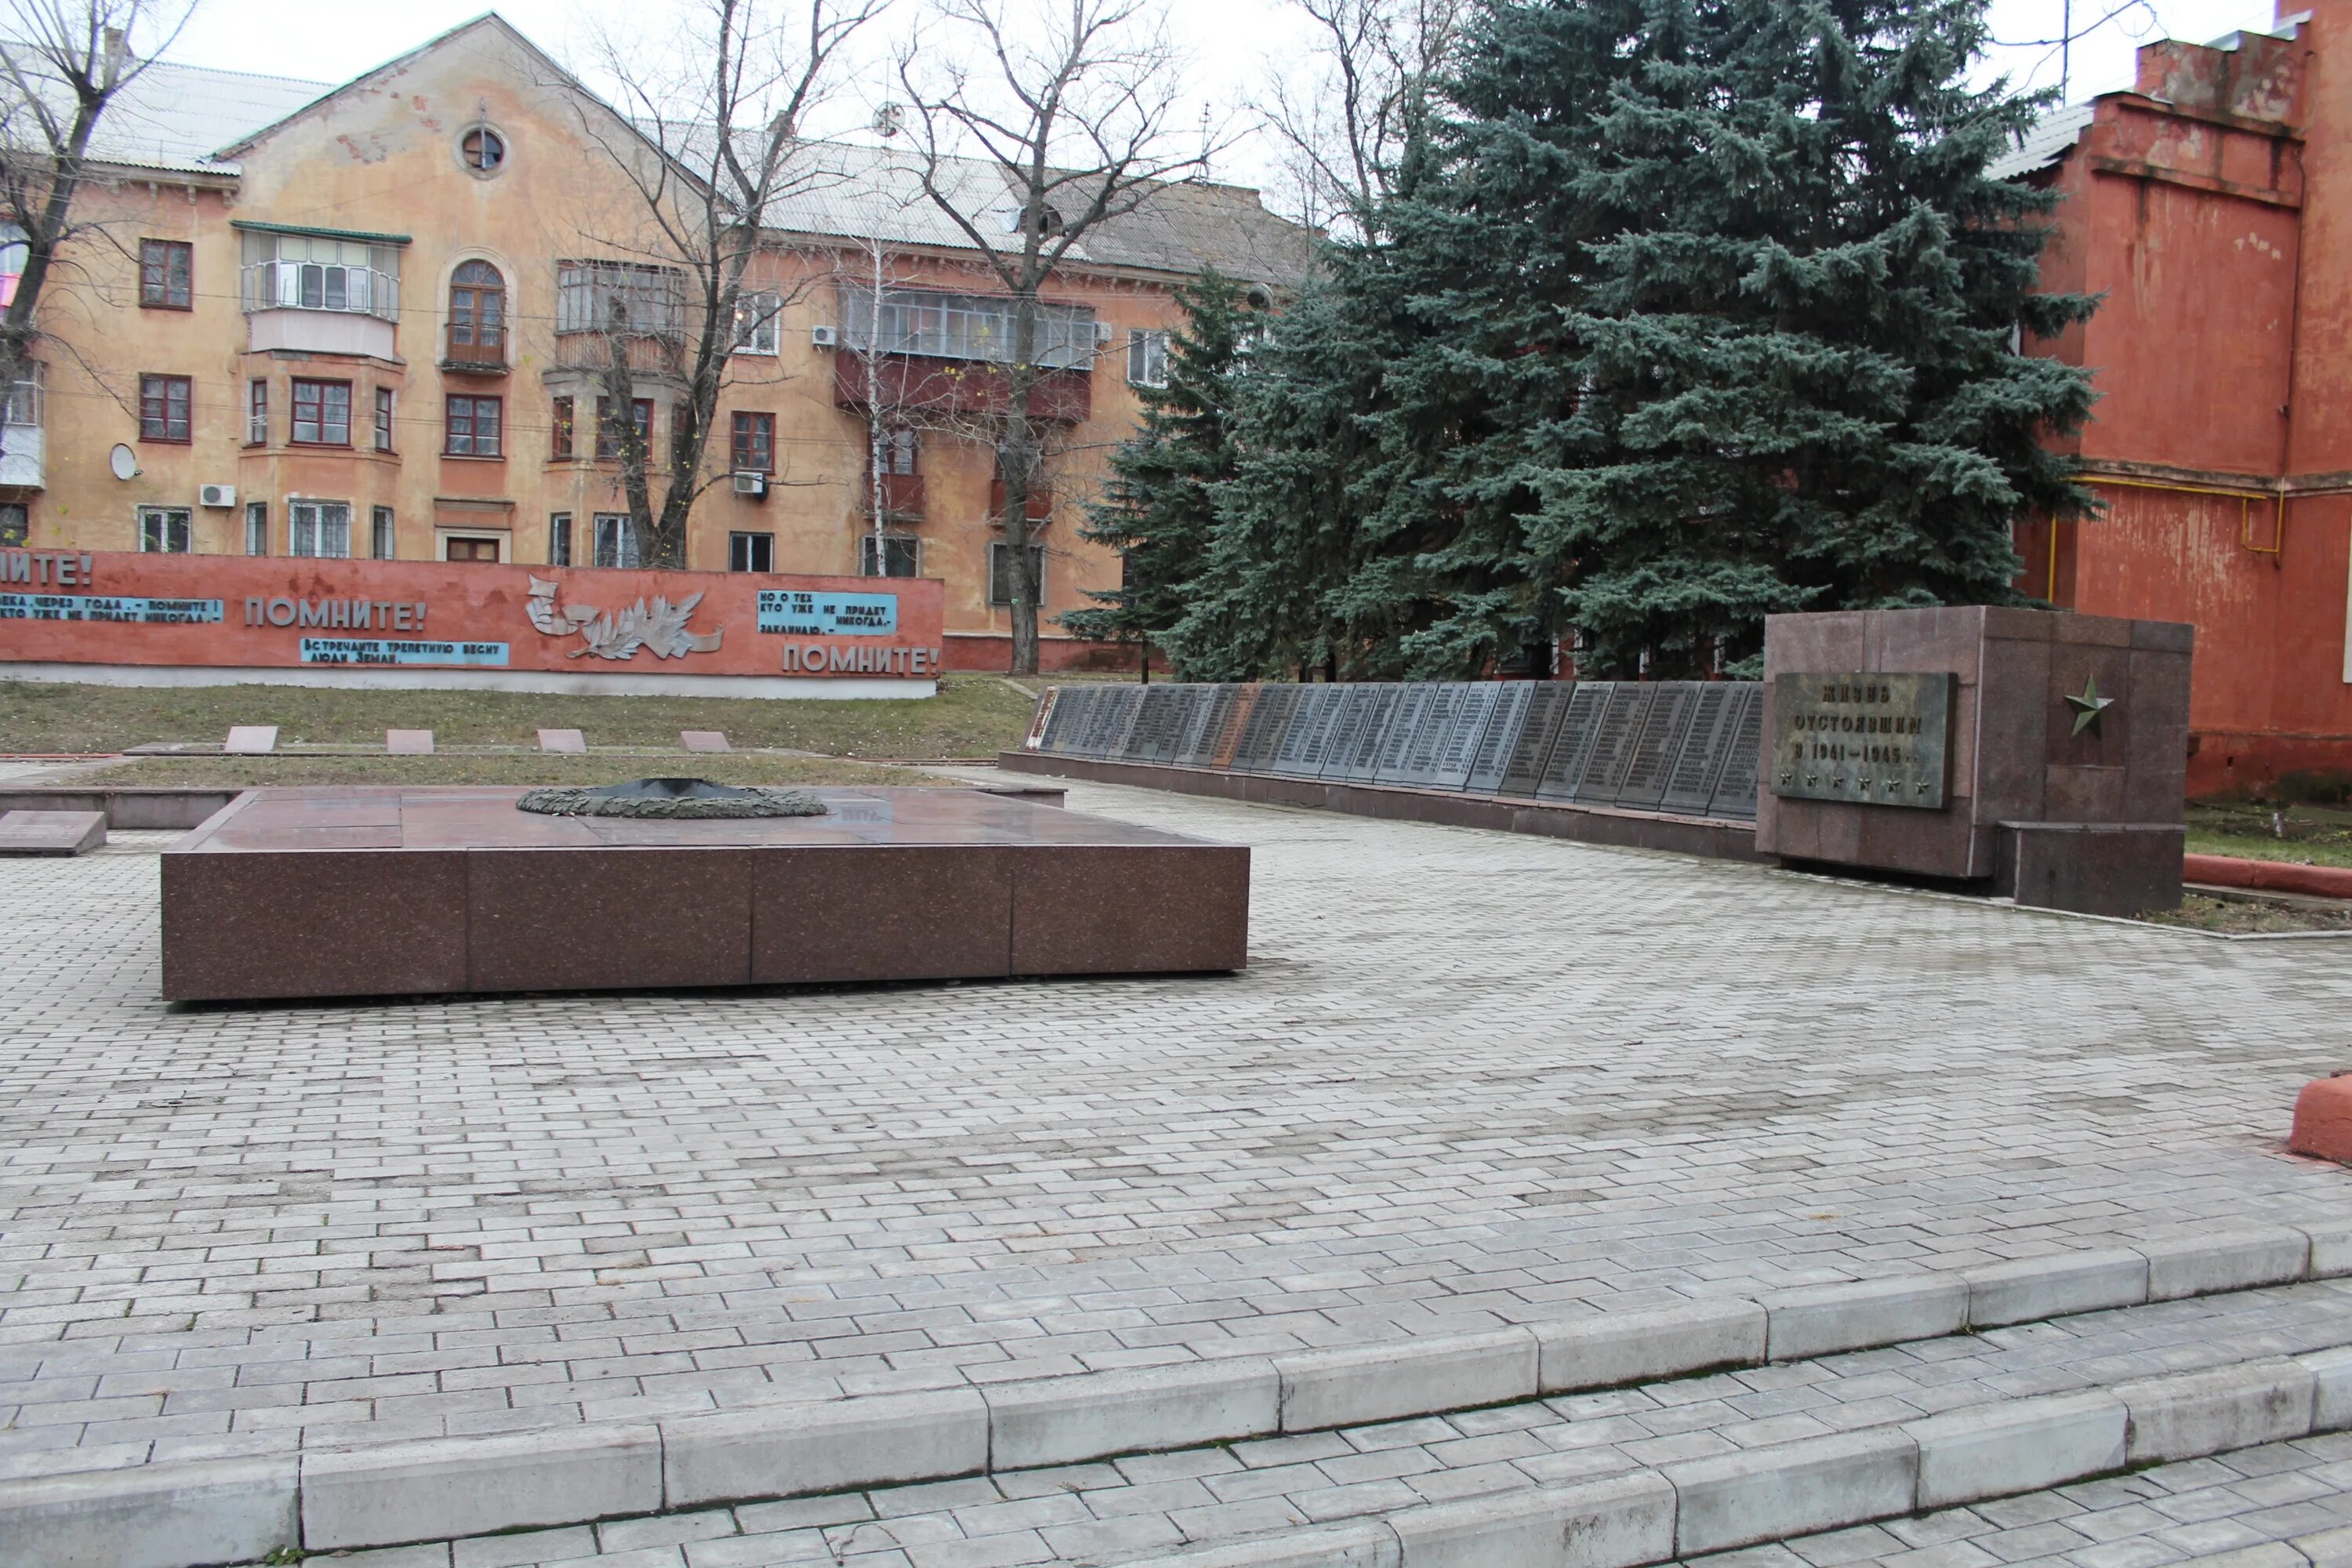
x,y
431,1490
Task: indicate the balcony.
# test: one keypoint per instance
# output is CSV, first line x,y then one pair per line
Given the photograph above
x,y
902,498
913,383
471,358
1041,504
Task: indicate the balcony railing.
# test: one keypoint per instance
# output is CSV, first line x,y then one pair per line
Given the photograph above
x,y
910,384
481,358
1040,509
902,498
307,286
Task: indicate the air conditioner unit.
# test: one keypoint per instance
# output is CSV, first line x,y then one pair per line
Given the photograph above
x,y
826,337
751,482
216,495
1103,334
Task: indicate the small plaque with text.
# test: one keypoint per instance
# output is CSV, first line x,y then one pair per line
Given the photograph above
x,y
1870,739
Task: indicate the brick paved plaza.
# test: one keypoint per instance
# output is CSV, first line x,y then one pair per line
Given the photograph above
x,y
1469,1079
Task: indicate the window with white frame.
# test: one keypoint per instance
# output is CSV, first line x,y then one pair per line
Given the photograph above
x,y
619,296
751,552
256,528
891,555
963,326
756,315
1147,358
559,538
383,539
319,528
164,529
357,275
28,398
616,541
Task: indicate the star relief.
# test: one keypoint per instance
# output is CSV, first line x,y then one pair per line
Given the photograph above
x,y
2089,706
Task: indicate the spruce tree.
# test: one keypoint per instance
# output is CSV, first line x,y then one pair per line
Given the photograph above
x,y
1158,508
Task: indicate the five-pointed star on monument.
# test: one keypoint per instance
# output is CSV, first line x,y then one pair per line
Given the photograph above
x,y
2089,706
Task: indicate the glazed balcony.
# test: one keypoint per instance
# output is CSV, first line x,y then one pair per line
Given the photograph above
x,y
914,384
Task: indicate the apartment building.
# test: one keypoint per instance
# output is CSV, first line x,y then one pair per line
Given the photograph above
x,y
358,321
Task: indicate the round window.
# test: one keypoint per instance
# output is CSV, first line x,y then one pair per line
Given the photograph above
x,y
483,149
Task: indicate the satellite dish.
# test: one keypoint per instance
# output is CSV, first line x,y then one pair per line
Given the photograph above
x,y
124,462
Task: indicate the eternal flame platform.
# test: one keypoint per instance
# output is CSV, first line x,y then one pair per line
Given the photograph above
x,y
384,891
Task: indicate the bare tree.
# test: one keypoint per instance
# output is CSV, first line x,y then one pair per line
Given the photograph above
x,y
1069,106
63,64
714,141
1346,124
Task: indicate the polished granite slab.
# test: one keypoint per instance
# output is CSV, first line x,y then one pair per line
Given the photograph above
x,y
393,891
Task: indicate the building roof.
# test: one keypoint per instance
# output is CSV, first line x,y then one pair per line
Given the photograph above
x,y
2051,137
176,117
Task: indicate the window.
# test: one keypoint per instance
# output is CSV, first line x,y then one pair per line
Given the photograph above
x,y
256,414
618,296
1147,358
892,555
473,429
164,407
963,326
383,419
483,150
616,541
383,538
477,315
164,530
166,269
459,549
323,414
755,442
559,534
28,398
358,273
321,528
899,446
14,253
1000,572
751,552
608,433
560,442
15,524
256,528
755,322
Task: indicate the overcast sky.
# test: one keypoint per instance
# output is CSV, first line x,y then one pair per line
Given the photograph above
x,y
1231,44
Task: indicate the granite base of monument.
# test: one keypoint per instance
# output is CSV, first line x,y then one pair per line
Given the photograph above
x,y
51,832
388,891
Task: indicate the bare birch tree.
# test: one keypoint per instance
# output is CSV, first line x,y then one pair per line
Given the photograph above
x,y
1346,124
1070,102
720,140
63,64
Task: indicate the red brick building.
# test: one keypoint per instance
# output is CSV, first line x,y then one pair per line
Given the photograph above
x,y
2211,206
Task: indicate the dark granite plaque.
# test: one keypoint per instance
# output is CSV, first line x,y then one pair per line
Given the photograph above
x,y
1735,792
1579,726
1154,734
1502,733
1523,767
1193,714
1063,721
1468,739
1671,703
1361,761
1208,722
1404,732
1691,785
1437,724
1116,712
1357,705
1086,717
1613,748
1869,739
1309,737
1268,722
1235,725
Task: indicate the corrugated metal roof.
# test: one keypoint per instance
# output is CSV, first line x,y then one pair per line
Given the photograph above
x,y
2050,140
173,117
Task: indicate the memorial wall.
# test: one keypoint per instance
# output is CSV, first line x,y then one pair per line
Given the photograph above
x,y
128,618
1687,748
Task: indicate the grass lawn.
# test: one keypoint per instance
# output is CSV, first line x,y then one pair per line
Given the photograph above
x,y
526,768
2306,835
973,716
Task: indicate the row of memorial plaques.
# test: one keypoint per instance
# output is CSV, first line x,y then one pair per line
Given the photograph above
x,y
1692,747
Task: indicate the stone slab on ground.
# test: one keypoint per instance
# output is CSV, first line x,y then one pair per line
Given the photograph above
x,y
569,740
1472,1081
408,742
66,833
250,740
703,740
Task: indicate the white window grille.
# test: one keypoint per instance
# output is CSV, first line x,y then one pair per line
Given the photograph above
x,y
963,326
319,528
314,273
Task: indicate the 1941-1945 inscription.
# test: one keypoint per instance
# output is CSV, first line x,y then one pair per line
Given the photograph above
x,y
1870,739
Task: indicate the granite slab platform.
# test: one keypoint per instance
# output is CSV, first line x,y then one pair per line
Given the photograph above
x,y
51,832
389,891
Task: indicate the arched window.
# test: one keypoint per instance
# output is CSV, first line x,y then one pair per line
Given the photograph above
x,y
477,314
